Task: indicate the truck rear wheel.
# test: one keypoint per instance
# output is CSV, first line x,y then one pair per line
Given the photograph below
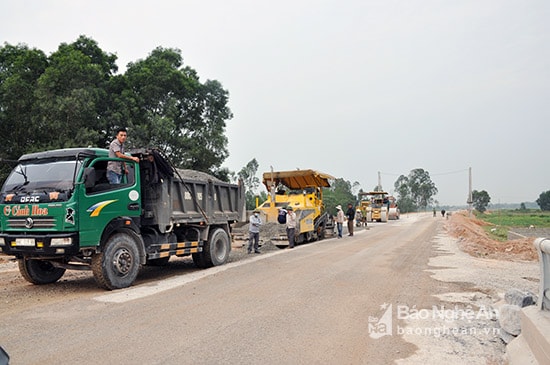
x,y
215,251
117,266
39,271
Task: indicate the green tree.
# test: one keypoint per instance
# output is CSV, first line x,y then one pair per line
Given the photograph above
x,y
480,200
20,69
415,190
170,109
339,193
75,99
403,192
544,200
72,96
251,182
422,187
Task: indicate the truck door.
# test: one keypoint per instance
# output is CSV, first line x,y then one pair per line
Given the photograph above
x,y
103,202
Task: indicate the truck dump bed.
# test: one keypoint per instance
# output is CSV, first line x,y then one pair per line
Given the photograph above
x,y
186,196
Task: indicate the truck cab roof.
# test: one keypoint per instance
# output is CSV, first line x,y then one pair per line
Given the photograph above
x,y
64,153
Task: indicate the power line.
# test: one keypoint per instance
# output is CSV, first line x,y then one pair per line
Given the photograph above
x,y
450,172
438,174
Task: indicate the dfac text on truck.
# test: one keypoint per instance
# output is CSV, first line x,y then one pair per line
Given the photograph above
x,y
58,211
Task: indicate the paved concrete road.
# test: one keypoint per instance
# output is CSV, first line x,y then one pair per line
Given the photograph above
x,y
308,305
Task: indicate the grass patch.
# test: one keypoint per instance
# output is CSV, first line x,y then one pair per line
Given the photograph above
x,y
498,233
516,218
504,220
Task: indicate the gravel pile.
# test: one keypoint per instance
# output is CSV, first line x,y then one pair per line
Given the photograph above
x,y
196,175
266,243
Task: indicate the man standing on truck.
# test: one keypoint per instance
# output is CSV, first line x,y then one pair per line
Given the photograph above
x,y
115,169
254,231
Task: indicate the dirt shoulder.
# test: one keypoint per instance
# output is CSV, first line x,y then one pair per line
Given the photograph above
x,y
473,240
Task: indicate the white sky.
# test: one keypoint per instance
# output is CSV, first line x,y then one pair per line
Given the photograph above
x,y
349,87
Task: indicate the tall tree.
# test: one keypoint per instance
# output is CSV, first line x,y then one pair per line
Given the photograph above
x,y
75,99
251,182
415,190
480,200
544,200
72,96
339,193
172,110
20,69
403,192
422,187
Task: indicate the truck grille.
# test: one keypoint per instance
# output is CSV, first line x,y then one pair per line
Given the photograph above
x,y
31,223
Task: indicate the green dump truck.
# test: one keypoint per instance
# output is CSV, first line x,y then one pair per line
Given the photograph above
x,y
58,211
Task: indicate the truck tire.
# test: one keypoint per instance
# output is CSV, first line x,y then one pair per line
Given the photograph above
x,y
198,260
216,250
117,266
39,271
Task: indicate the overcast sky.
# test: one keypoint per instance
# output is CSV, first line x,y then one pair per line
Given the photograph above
x,y
348,87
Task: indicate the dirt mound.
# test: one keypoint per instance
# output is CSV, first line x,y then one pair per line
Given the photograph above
x,y
475,241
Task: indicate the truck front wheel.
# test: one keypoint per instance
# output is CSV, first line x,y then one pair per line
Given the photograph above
x,y
117,266
39,271
215,252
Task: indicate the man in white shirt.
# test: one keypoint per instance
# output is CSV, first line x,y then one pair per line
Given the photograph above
x,y
290,226
254,232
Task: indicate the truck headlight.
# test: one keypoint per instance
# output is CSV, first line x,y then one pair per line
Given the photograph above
x,y
64,241
2,241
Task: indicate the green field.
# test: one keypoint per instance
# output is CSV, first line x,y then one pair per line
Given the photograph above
x,y
517,218
503,220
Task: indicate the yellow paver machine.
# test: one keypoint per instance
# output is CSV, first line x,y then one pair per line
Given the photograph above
x,y
302,190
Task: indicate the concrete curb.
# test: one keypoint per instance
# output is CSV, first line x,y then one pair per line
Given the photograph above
x,y
532,346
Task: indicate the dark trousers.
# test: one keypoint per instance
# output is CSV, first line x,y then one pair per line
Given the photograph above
x,y
350,227
290,232
339,228
253,239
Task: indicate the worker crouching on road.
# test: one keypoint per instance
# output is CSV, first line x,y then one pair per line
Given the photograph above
x,y
254,232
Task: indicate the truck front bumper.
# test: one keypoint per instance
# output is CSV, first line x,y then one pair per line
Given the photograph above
x,y
63,244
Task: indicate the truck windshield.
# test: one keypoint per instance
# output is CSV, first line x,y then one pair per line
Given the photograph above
x,y
43,176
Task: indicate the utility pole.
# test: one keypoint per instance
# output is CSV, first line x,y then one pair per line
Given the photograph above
x,y
470,199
